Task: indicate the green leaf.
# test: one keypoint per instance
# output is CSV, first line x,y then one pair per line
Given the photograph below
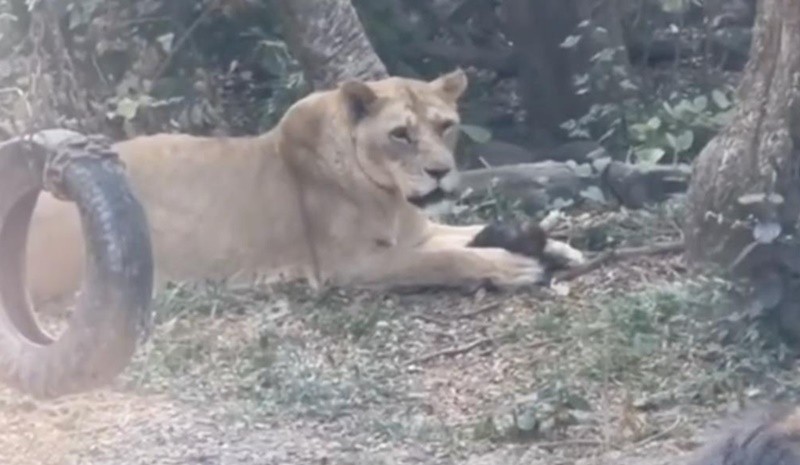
x,y
650,155
766,233
683,107
654,123
685,141
720,99
570,42
775,198
594,194
750,199
601,163
560,203
700,103
672,141
605,55
478,134
639,131
668,108
584,170
166,41
127,108
580,79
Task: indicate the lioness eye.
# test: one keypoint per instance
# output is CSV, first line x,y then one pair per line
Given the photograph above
x,y
400,133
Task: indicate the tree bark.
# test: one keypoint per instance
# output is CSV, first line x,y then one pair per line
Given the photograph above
x,y
757,153
328,39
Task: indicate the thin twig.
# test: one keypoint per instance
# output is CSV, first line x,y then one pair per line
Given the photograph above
x,y
452,351
430,319
482,309
569,442
182,40
618,254
543,343
439,333
660,434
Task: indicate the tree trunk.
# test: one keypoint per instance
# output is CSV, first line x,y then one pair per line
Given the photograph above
x,y
328,39
755,156
547,70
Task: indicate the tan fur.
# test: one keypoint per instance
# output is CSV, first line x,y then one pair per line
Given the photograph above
x,y
233,208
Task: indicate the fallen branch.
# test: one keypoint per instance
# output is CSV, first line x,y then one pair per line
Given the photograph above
x,y
569,443
618,254
452,351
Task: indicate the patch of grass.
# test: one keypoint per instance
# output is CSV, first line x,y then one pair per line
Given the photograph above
x,y
557,368
208,299
282,349
639,351
309,383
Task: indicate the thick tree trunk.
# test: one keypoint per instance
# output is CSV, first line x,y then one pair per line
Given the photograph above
x,y
327,37
757,154
547,69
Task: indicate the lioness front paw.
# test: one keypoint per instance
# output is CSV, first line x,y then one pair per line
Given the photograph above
x,y
531,240
512,270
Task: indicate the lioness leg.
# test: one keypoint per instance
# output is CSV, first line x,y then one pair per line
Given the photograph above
x,y
450,267
442,234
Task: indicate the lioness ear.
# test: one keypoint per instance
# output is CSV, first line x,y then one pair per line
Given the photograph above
x,y
451,85
359,97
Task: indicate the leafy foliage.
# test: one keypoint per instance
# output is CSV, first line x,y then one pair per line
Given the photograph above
x,y
148,66
679,129
650,129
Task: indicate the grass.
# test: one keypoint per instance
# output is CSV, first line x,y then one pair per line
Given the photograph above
x,y
343,356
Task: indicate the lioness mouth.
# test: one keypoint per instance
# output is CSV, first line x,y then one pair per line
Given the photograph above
x,y
435,196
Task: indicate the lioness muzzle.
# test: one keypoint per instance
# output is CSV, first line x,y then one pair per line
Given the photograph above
x,y
113,307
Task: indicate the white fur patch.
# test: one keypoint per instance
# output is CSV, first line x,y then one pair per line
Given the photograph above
x,y
572,255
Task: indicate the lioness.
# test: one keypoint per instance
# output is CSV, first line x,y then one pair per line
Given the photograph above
x,y
333,192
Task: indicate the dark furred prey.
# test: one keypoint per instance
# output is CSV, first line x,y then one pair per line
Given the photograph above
x,y
524,238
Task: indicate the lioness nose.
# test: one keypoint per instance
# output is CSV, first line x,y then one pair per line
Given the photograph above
x,y
437,173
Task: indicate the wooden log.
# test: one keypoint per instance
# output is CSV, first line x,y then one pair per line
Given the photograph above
x,y
539,185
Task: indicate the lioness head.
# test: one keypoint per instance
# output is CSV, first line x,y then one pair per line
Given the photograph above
x,y
406,132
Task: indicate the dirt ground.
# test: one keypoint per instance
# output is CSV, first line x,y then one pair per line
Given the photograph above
x,y
624,366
